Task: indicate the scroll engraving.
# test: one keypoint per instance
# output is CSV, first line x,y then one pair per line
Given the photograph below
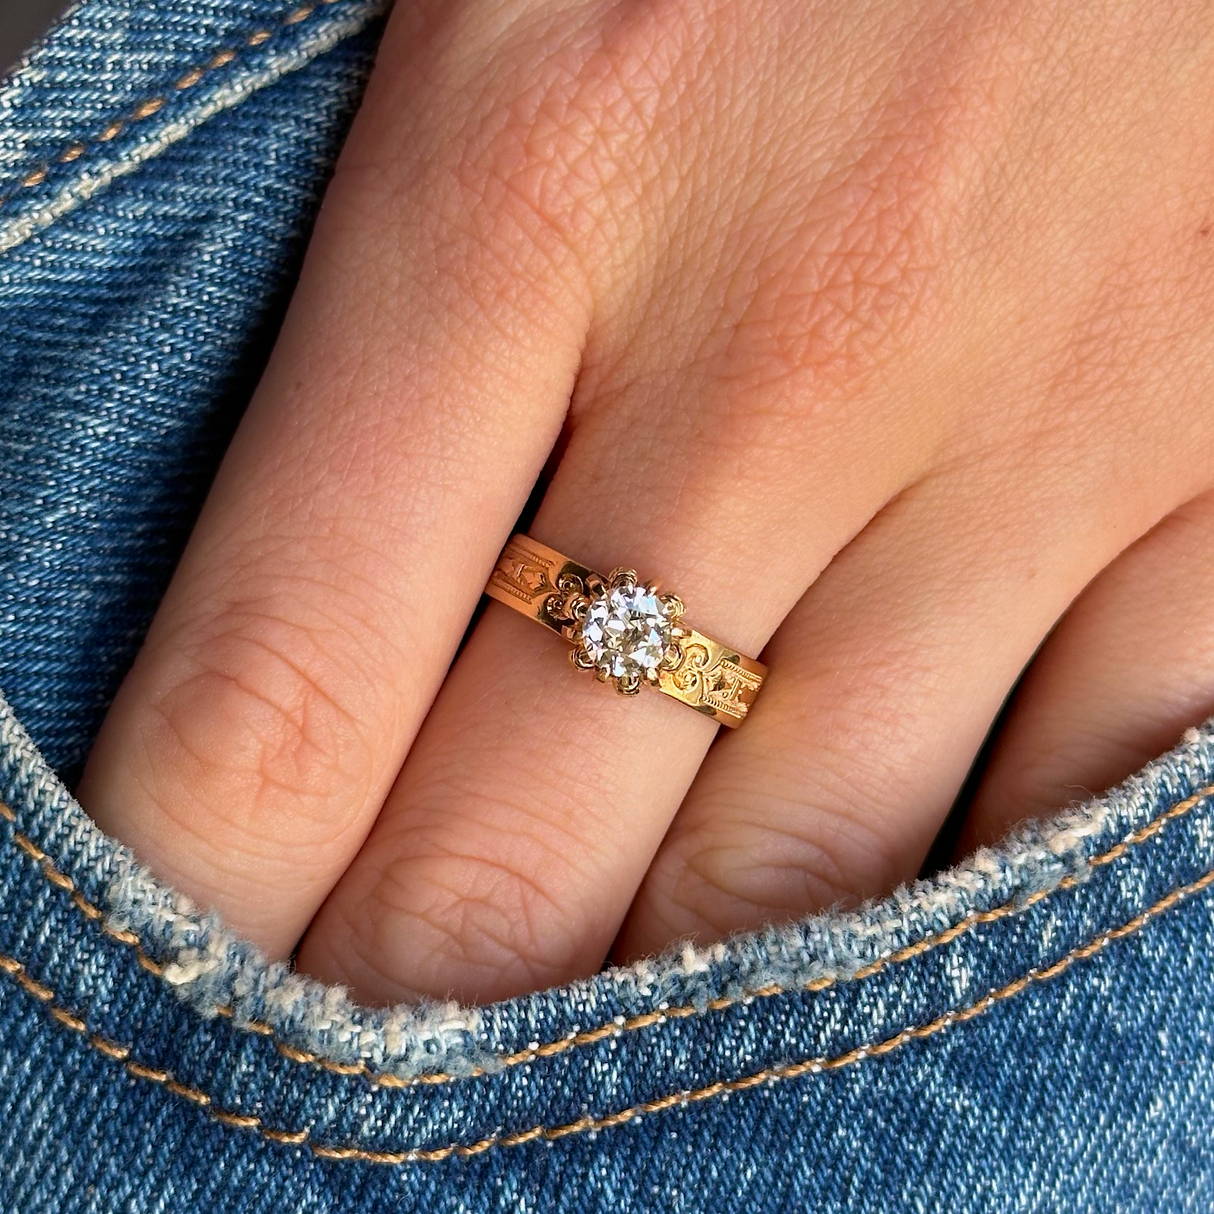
x,y
625,631
719,684
731,685
524,573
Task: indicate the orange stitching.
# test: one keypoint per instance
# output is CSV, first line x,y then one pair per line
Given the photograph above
x,y
153,105
769,1075
62,881
612,1028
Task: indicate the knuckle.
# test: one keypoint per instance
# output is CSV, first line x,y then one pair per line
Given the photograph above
x,y
568,135
739,874
259,723
851,276
786,829
541,171
476,915
853,253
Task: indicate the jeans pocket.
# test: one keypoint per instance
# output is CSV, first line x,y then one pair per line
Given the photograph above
x,y
1029,1030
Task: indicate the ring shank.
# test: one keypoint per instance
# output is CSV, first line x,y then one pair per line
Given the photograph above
x,y
712,678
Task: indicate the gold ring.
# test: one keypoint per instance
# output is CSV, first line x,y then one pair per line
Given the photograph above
x,y
625,631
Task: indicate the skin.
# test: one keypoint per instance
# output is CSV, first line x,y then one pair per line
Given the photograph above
x,y
882,332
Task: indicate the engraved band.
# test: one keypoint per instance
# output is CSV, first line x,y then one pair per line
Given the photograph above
x,y
625,631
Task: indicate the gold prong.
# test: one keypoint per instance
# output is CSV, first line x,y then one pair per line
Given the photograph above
x,y
601,675
628,684
674,605
581,659
620,577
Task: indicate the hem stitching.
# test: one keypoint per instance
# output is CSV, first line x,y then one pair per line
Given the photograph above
x,y
589,1124
153,105
618,1026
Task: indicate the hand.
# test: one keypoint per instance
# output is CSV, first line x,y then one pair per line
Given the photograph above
x,y
882,333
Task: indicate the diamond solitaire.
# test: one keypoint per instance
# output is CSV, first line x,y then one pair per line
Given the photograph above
x,y
628,632
624,631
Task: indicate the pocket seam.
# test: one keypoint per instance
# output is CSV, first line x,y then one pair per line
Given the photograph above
x,y
149,106
614,1027
588,1124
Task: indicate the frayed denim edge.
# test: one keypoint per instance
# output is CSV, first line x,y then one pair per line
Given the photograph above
x,y
209,967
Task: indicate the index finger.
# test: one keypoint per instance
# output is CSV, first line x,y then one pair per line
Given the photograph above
x,y
419,382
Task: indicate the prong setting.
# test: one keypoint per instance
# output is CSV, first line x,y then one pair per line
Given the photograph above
x,y
671,659
620,578
581,659
625,631
628,684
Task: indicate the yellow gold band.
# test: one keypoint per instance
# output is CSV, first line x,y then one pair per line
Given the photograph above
x,y
625,631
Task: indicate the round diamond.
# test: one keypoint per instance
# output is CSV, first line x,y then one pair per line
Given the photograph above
x,y
626,631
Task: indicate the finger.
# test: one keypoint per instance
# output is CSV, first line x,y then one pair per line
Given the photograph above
x,y
884,681
418,384
1128,668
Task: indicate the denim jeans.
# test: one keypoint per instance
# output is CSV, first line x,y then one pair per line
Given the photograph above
x,y
1032,1030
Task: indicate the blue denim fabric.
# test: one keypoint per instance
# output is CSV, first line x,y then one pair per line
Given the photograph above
x,y
1030,1031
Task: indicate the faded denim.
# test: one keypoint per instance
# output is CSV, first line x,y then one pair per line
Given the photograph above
x,y
1030,1031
